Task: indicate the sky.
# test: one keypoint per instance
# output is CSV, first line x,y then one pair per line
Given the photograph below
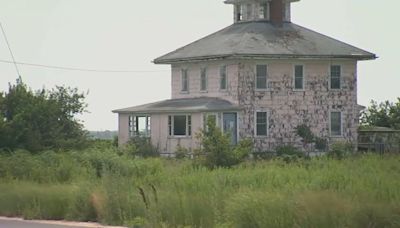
x,y
126,35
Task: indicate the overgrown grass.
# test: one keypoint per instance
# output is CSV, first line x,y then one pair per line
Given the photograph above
x,y
100,185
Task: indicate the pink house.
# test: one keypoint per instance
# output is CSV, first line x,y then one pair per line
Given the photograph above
x,y
259,78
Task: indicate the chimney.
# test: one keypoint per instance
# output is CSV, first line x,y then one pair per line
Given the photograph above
x,y
277,12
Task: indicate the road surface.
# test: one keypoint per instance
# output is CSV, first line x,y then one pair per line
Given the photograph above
x,y
19,223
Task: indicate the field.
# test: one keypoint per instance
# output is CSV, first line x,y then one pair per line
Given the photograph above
x,y
102,185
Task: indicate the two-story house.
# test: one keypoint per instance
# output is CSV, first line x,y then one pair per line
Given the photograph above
x,y
260,78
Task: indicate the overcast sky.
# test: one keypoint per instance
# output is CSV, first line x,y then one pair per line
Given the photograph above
x,y
129,34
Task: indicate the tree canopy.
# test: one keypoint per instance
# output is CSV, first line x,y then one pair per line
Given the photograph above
x,y
40,120
385,114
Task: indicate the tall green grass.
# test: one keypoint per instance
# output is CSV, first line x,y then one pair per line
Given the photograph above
x,y
100,185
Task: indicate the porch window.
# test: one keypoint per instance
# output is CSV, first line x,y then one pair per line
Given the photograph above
x,y
335,79
261,123
209,117
180,125
223,79
336,124
139,126
261,76
185,81
298,77
264,10
203,79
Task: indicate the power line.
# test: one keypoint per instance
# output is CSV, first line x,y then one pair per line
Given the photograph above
x,y
77,69
9,48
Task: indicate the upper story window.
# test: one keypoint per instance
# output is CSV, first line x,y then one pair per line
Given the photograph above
x,y
261,77
261,123
223,78
203,79
264,11
180,125
335,77
336,124
299,77
139,126
185,81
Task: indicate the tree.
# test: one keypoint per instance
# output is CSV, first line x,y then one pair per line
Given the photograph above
x,y
39,120
385,114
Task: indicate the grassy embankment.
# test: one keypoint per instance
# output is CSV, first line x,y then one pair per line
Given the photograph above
x,y
99,185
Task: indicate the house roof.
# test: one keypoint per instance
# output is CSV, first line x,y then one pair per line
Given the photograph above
x,y
186,105
378,129
261,39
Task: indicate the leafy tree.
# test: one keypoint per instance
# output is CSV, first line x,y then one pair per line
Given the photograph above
x,y
39,120
385,114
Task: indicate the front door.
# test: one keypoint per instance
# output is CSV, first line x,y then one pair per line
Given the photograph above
x,y
230,125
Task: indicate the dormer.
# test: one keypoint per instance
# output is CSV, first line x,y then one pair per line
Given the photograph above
x,y
275,11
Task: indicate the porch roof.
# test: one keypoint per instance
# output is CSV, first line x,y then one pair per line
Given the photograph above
x,y
186,105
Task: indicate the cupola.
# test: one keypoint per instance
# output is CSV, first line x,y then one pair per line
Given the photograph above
x,y
274,11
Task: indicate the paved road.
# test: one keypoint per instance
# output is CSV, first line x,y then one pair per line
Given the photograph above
x,y
28,224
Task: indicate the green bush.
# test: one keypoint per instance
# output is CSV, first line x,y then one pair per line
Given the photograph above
x,y
340,150
289,153
218,149
142,147
181,152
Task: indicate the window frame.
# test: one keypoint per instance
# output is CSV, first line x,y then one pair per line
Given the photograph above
x,y
188,126
203,72
266,77
341,124
184,74
225,74
256,123
264,9
303,77
133,127
340,76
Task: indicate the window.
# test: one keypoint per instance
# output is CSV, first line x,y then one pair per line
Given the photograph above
x,y
139,126
223,78
210,117
203,79
185,81
239,12
180,125
264,10
298,77
261,77
249,11
336,124
261,123
335,76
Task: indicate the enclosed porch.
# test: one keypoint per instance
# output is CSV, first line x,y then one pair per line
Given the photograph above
x,y
171,124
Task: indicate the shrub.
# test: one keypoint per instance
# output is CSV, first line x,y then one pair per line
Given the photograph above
x,y
218,149
181,152
321,144
142,146
340,150
289,153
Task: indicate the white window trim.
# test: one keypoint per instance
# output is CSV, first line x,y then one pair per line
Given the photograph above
x,y
341,124
220,78
206,70
172,126
131,118
187,81
255,78
294,78
255,123
330,76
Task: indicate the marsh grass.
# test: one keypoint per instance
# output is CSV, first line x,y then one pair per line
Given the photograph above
x,y
103,186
